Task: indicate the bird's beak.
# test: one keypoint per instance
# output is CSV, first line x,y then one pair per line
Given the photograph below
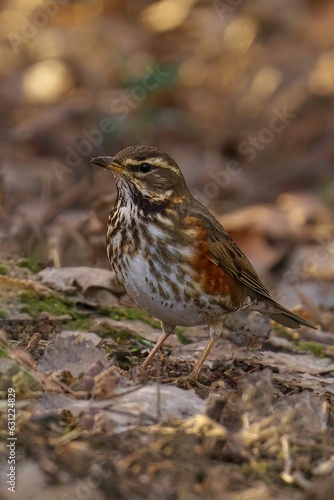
x,y
108,163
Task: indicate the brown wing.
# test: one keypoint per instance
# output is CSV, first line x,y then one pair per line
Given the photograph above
x,y
224,253
227,255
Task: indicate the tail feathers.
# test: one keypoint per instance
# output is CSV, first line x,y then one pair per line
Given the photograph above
x,y
285,317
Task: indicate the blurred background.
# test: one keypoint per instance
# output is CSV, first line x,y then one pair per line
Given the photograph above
x,y
239,92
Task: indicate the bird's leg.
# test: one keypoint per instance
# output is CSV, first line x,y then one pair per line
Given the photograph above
x,y
198,366
167,330
215,331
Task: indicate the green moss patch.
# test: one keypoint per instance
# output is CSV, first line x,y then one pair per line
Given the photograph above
x,y
285,333
30,264
80,322
184,340
312,347
121,335
34,303
3,314
133,313
3,269
54,304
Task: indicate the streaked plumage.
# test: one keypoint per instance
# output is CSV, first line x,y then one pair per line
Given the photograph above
x,y
172,255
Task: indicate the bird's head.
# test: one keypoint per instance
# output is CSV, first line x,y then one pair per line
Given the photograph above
x,y
146,172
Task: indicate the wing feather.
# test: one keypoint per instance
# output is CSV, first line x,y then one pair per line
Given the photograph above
x,y
227,255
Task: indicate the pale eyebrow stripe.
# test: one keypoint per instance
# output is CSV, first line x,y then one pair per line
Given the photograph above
x,y
156,161
153,161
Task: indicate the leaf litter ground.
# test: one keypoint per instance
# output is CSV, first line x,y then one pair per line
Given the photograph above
x,y
91,424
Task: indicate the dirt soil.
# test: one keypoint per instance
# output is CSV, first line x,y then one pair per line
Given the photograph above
x,y
90,423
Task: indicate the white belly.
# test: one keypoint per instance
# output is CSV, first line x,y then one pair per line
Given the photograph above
x,y
158,296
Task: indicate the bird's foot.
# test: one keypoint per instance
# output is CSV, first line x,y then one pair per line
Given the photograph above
x,y
189,381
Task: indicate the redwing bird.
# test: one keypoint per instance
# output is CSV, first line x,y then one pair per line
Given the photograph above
x,y
173,256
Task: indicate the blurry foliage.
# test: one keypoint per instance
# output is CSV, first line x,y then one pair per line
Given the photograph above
x,y
212,82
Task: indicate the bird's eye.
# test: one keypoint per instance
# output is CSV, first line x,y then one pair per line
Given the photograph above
x,y
145,167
